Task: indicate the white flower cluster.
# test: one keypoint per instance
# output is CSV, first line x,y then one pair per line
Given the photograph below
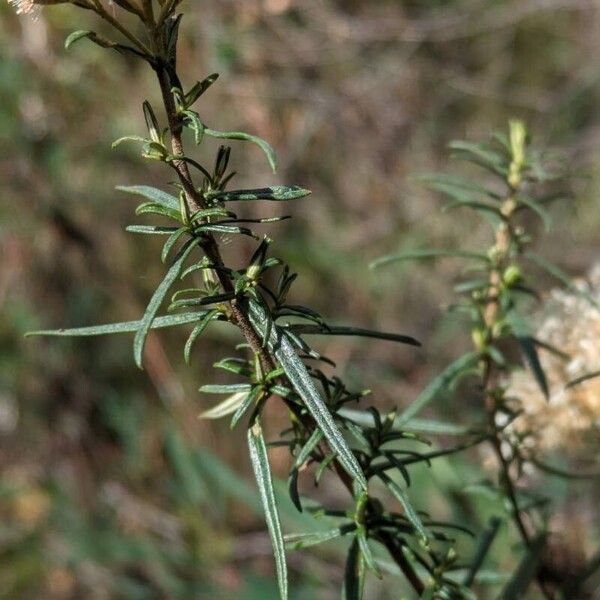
x,y
570,420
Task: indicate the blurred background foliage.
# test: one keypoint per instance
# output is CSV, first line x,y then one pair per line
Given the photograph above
x,y
110,486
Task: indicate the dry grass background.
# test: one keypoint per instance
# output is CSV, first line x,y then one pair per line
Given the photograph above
x,y
106,490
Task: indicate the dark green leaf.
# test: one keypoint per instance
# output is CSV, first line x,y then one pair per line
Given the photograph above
x,y
299,541
521,333
526,571
353,331
582,379
483,547
197,332
410,513
354,575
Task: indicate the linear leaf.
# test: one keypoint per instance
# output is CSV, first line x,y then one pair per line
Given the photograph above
x,y
561,276
425,254
276,192
439,383
197,332
246,137
521,332
157,299
354,574
485,543
582,379
150,229
125,327
262,472
152,194
525,572
226,407
302,382
354,331
410,513
298,541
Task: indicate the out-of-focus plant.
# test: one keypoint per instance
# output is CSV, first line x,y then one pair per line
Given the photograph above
x,y
496,293
274,361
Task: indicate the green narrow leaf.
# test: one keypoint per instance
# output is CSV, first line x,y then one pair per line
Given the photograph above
x,y
74,37
168,246
483,547
303,384
153,194
561,276
151,230
354,574
537,208
526,571
299,541
527,344
410,513
252,397
246,137
197,332
425,254
429,426
276,192
367,553
262,472
226,407
439,383
226,389
157,299
126,327
313,441
354,331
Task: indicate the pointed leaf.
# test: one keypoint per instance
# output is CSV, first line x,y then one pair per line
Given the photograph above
x,y
526,571
197,332
246,137
438,384
410,513
302,382
528,346
262,472
126,327
424,254
153,194
276,192
354,574
226,407
354,331
157,299
299,541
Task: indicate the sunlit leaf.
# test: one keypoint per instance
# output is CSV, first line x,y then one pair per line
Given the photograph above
x,y
303,384
262,472
126,327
